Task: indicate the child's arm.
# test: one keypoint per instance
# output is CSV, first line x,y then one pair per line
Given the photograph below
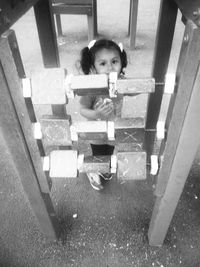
x,y
102,112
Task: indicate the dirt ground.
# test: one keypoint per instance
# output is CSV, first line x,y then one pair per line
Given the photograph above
x,y
110,228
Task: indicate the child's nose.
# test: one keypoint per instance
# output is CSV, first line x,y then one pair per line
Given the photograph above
x,y
110,68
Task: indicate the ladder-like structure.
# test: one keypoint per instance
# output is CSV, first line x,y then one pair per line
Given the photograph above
x,y
60,134
171,132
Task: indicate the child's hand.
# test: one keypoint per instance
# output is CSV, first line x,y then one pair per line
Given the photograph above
x,y
104,110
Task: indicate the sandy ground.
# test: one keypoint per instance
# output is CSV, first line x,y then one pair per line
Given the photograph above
x,y
110,229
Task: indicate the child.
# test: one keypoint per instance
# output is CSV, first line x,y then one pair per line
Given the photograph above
x,y
101,57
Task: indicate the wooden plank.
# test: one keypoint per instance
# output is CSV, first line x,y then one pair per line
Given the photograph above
x,y
90,126
72,9
63,163
133,86
95,17
133,22
184,90
129,135
134,106
159,145
96,164
15,90
164,108
91,130
129,147
181,62
18,154
186,148
131,165
137,122
47,33
73,2
164,37
96,84
48,86
129,131
55,131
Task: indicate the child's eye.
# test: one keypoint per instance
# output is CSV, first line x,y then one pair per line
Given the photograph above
x,y
115,61
102,64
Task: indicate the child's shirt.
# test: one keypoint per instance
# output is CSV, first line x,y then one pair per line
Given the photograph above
x,y
93,101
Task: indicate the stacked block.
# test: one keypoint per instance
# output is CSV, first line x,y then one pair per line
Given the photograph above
x,y
127,131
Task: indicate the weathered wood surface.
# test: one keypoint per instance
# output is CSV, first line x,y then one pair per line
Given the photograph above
x,y
131,165
129,147
55,131
133,22
96,164
133,86
187,146
8,60
96,84
47,33
164,37
184,91
72,9
16,134
134,106
181,144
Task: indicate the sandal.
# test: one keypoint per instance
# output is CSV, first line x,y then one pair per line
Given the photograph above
x,y
95,181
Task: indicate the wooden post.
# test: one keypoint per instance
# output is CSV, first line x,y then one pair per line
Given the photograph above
x,y
133,22
182,143
19,155
164,37
47,33
9,60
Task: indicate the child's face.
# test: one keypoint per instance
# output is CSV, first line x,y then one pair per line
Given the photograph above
x,y
106,61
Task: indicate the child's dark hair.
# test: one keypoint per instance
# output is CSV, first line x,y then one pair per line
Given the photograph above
x,y
88,54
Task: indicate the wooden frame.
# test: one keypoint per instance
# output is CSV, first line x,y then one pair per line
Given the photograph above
x,y
183,116
16,130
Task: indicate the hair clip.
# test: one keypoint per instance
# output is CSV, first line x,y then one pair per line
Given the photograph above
x,y
91,44
121,46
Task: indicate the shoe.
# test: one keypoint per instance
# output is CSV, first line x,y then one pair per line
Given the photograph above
x,y
95,181
106,176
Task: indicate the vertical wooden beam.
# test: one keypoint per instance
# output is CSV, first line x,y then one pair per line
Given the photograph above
x,y
184,90
164,37
11,134
133,22
47,33
182,161
13,81
58,24
95,17
181,145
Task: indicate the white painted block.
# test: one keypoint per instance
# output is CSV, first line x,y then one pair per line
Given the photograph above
x,y
63,163
113,164
169,83
26,85
46,163
111,130
154,164
37,131
160,130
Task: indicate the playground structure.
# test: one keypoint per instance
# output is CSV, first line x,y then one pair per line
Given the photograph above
x,y
181,120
